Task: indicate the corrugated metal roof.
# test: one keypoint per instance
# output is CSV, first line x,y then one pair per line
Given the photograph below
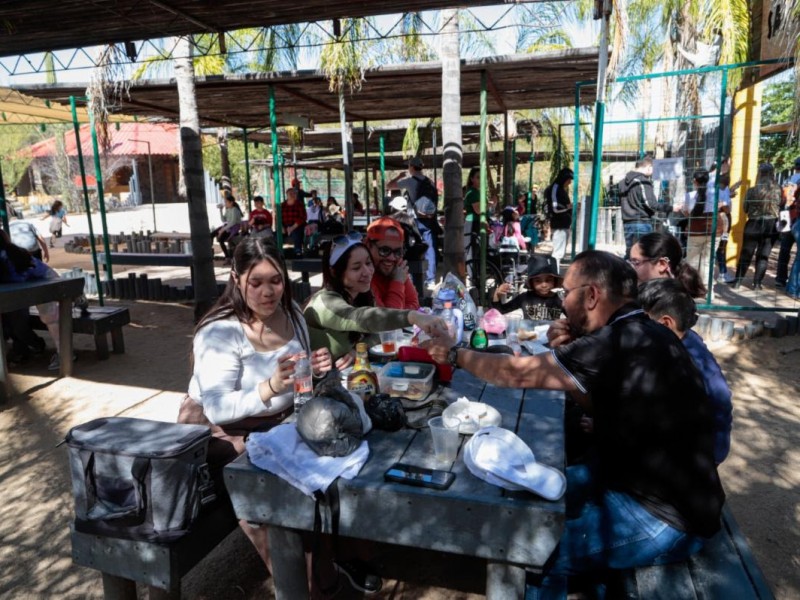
x,y
163,140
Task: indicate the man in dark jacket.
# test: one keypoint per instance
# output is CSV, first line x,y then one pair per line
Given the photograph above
x,y
638,202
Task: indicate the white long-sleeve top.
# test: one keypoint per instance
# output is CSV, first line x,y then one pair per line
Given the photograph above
x,y
228,370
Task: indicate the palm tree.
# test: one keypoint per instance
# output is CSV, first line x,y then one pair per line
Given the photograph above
x,y
452,143
191,184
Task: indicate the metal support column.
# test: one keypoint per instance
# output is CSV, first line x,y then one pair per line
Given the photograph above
x,y
101,201
530,177
383,171
276,198
3,207
367,195
484,182
247,171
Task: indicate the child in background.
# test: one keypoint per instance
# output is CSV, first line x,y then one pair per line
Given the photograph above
x,y
58,217
539,302
260,214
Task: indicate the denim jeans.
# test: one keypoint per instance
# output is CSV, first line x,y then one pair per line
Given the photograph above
x,y
430,253
793,283
608,529
782,271
633,231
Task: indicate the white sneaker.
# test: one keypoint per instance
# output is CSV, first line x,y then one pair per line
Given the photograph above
x,y
55,362
730,277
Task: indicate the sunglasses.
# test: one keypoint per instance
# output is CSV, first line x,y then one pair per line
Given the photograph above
x,y
385,251
341,243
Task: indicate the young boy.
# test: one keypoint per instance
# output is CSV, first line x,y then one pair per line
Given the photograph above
x,y
259,213
666,301
539,302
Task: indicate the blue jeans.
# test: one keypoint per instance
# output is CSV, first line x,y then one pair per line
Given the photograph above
x,y
793,283
430,253
607,529
633,231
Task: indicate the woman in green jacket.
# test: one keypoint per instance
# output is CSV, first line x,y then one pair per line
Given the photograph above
x,y
343,312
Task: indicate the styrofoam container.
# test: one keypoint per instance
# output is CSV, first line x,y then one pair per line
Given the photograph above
x,y
412,380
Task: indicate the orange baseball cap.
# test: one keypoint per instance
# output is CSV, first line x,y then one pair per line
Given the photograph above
x,y
385,228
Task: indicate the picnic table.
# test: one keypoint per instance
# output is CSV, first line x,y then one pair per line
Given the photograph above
x,y
512,531
15,296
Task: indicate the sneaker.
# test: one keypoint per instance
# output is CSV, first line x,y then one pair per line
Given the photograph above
x,y
730,277
360,576
780,284
55,362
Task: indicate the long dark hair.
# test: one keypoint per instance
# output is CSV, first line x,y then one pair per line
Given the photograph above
x,y
701,179
18,258
663,245
333,276
249,252
56,207
472,172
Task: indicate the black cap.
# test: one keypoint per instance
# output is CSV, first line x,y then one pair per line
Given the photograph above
x,y
542,264
766,167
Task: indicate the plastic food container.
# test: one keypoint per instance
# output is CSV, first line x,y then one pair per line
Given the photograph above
x,y
411,380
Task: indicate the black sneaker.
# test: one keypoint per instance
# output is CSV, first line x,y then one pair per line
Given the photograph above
x,y
360,575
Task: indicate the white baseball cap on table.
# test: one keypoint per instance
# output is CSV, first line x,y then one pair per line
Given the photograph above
x,y
500,457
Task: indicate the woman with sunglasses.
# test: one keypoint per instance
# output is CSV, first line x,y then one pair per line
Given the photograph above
x,y
659,255
343,311
243,358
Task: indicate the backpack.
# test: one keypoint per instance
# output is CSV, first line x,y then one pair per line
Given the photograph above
x,y
427,189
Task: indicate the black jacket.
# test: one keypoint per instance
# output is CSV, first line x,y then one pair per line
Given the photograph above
x,y
637,198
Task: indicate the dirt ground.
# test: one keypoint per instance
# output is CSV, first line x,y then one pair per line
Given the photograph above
x,y
760,477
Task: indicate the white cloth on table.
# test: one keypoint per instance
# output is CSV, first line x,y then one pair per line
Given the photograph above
x,y
283,452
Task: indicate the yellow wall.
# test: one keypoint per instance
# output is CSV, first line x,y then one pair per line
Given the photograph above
x,y
744,159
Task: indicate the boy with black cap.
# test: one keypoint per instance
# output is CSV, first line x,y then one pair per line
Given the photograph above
x,y
539,302
790,203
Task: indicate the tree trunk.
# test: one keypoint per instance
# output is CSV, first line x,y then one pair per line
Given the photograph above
x,y
191,185
347,160
224,161
452,146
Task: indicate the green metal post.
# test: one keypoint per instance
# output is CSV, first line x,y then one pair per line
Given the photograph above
x,y
367,187
530,177
3,208
484,182
247,171
276,181
576,161
597,160
101,202
641,138
712,251
513,171
383,171
76,126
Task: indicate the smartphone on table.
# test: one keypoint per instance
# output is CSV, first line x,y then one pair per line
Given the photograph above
x,y
419,476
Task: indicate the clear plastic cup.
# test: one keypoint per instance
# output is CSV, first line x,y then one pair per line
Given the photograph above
x,y
389,341
445,440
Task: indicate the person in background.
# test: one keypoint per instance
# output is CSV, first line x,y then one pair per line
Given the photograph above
x,y
343,312
391,283
699,207
243,355
333,222
358,208
231,224
558,208
790,193
652,494
301,194
58,218
658,255
762,205
430,230
522,204
638,202
260,214
539,302
17,266
511,227
472,208
25,235
726,193
293,217
666,301
314,217
417,184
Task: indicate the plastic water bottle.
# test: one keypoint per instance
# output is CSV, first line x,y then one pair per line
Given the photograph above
x,y
302,382
449,319
444,297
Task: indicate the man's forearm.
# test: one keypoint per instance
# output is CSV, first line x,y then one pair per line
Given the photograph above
x,y
515,371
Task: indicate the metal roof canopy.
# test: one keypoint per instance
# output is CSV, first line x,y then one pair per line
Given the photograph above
x,y
17,108
516,82
43,25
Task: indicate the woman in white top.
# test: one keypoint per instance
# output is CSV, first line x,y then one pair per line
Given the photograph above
x,y
244,351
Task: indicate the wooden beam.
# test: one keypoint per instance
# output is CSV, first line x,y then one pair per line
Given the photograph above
x,y
334,109
494,91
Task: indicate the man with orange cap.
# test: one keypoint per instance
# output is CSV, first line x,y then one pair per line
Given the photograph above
x,y
391,284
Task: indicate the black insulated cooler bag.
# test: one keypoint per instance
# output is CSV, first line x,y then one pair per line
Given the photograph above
x,y
138,479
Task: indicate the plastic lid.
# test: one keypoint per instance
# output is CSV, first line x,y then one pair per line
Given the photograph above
x,y
448,304
447,294
361,347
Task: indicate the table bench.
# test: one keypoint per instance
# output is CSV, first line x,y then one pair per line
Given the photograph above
x,y
18,296
509,531
99,321
724,568
123,562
